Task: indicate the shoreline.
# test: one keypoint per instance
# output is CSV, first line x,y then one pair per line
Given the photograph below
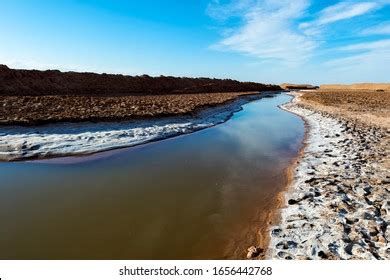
x,y
273,215
261,239
32,111
319,193
18,143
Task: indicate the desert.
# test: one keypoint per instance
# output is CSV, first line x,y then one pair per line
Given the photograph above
x,y
211,139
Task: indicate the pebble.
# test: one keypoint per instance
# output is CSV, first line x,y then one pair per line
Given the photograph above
x,y
253,252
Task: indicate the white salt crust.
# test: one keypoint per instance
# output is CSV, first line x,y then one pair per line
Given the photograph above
x,y
338,206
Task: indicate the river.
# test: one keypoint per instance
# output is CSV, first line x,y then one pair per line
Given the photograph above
x,y
202,195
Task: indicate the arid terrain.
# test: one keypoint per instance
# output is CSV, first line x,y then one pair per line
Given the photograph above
x,y
371,107
34,97
359,86
337,206
31,110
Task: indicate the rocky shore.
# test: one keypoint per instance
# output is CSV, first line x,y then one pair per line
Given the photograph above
x,y
338,203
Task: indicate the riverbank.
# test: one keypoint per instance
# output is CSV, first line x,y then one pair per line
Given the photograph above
x,y
38,110
337,205
81,138
32,97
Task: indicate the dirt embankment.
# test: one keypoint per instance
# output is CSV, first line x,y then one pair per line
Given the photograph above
x,y
31,97
53,82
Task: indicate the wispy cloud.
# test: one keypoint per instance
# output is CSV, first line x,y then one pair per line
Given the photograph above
x,y
338,12
368,46
376,60
363,59
363,62
345,10
267,31
219,11
270,29
283,33
381,29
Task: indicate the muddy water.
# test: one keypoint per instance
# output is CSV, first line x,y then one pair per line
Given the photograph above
x,y
202,195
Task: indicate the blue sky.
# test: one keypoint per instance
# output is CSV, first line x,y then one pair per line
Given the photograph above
x,y
271,41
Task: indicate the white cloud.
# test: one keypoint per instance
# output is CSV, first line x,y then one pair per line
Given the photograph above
x,y
268,32
220,11
274,31
382,29
363,62
345,10
372,61
340,11
368,46
366,67
376,61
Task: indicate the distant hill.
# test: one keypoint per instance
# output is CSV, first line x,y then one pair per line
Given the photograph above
x,y
53,82
297,86
361,86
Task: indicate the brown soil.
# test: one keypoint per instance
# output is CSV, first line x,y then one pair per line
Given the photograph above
x,y
361,86
30,97
369,107
30,110
53,82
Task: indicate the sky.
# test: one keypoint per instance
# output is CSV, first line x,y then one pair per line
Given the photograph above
x,y
269,41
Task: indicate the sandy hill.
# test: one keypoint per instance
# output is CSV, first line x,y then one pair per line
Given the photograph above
x,y
360,86
297,86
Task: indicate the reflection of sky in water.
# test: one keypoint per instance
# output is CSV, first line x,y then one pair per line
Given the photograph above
x,y
262,124
261,137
